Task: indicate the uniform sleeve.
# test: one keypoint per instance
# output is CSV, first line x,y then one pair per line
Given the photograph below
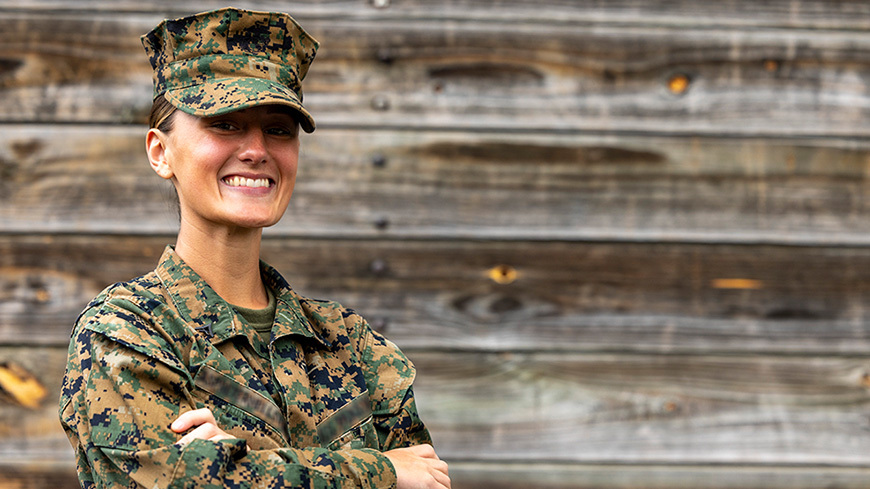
x,y
403,428
390,377
117,405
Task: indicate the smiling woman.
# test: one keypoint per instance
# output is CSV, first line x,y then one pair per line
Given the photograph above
x,y
211,371
236,170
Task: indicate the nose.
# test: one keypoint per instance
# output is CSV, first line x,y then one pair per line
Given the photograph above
x,y
253,150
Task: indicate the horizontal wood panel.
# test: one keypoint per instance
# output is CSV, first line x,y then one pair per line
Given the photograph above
x,y
573,408
431,74
33,434
656,409
444,295
827,14
476,475
467,475
625,242
399,184
38,475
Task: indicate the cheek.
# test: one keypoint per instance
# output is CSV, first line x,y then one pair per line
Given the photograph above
x,y
290,163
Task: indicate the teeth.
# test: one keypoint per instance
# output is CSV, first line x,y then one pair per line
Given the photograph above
x,y
246,182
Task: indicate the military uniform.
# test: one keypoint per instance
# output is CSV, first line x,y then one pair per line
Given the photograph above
x,y
314,407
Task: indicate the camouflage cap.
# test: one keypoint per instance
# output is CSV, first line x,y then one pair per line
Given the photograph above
x,y
216,62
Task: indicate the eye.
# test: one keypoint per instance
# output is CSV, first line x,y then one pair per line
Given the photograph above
x,y
223,126
281,130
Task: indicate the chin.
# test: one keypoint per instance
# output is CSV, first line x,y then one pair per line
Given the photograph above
x,y
254,224
255,221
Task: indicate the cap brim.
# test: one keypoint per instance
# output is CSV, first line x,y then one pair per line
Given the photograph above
x,y
219,97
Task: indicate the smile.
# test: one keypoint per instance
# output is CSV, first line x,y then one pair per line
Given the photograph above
x,y
247,182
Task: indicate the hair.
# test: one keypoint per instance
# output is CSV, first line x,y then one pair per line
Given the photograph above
x,y
161,114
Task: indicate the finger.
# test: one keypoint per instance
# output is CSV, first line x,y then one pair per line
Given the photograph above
x,y
440,466
202,432
222,436
192,418
441,478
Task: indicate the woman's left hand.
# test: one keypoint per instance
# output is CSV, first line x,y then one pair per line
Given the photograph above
x,y
206,427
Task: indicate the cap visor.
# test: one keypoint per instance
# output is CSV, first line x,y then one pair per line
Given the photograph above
x,y
223,96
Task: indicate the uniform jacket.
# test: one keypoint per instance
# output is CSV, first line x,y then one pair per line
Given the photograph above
x,y
313,408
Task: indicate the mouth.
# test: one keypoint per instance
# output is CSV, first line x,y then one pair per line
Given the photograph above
x,y
237,181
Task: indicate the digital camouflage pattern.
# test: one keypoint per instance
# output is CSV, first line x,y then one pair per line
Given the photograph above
x,y
314,408
224,60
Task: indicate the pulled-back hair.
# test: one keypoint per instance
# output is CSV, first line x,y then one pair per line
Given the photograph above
x,y
161,114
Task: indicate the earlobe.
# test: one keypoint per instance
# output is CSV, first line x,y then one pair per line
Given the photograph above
x,y
155,146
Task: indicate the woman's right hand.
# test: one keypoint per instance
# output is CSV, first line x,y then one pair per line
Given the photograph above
x,y
419,467
206,427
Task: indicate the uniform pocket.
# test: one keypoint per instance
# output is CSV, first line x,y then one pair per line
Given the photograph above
x,y
350,427
237,407
361,436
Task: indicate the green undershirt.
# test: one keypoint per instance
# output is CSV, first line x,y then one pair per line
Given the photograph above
x,y
261,319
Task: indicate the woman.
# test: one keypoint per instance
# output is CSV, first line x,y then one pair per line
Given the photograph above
x,y
210,371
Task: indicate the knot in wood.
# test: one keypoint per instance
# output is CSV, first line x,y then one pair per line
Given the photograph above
x,y
379,161
385,56
382,223
503,274
678,84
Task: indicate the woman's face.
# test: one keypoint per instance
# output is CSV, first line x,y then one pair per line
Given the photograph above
x,y
234,170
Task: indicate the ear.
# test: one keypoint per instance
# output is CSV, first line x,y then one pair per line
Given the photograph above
x,y
155,146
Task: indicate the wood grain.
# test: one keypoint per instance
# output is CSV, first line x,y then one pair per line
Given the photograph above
x,y
437,74
589,409
33,433
519,475
816,14
478,475
654,409
589,297
488,185
625,242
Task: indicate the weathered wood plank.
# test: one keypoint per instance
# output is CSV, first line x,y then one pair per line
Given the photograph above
x,y
590,409
382,184
646,409
442,295
444,74
477,475
38,475
468,475
30,434
815,14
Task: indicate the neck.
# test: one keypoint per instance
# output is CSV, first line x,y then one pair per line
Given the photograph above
x,y
228,260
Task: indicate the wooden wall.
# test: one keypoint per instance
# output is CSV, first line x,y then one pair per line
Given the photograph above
x,y
626,242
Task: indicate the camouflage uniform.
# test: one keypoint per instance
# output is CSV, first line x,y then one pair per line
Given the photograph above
x,y
313,408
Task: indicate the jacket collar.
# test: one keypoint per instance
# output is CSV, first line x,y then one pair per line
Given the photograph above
x,y
205,311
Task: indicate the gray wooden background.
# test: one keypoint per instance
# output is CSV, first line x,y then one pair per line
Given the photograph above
x,y
626,242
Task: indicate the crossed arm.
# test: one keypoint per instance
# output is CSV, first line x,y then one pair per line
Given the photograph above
x,y
417,467
117,441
